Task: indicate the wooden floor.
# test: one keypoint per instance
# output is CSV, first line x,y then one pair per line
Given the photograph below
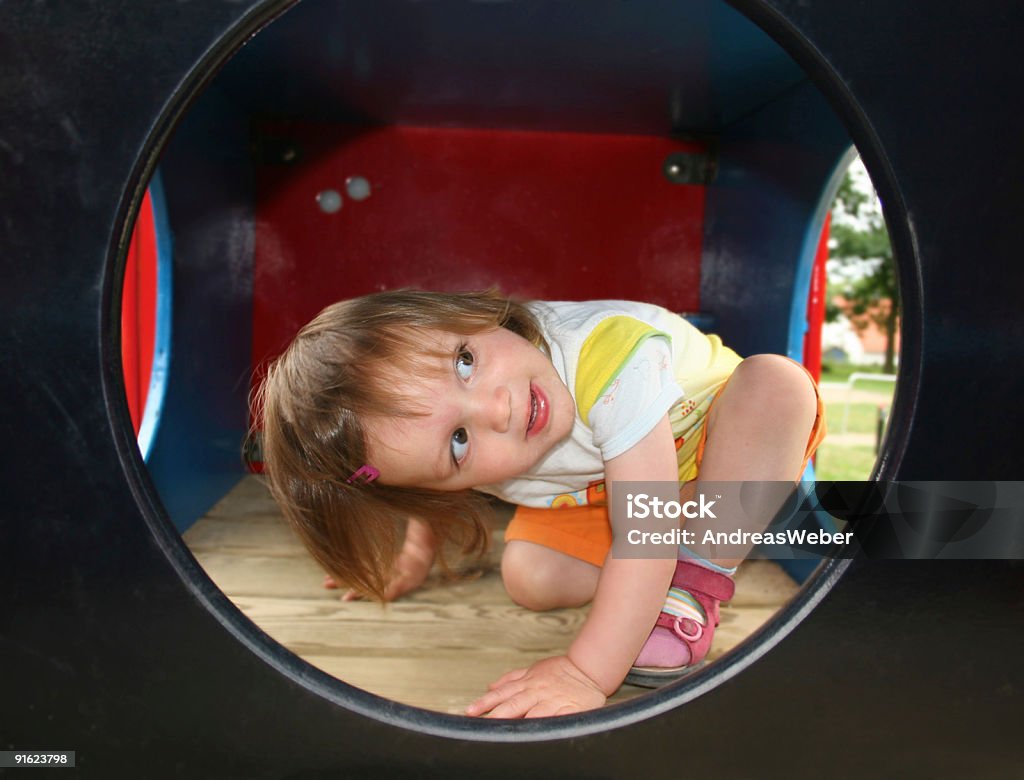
x,y
437,648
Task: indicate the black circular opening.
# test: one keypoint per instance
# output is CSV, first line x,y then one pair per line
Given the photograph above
x,y
189,100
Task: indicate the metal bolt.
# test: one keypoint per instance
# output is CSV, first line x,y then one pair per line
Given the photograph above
x,y
357,187
329,201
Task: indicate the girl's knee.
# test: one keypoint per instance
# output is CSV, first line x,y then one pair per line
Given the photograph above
x,y
781,382
538,578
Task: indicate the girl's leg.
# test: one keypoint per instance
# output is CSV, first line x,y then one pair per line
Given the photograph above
x,y
539,578
758,430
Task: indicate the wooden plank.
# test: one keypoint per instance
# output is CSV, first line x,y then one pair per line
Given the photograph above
x,y
437,648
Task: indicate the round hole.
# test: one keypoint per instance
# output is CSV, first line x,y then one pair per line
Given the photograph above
x,y
267,254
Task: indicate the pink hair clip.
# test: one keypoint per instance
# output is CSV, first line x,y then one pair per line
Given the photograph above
x,y
367,471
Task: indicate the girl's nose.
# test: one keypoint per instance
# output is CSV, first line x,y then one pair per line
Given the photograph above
x,y
495,408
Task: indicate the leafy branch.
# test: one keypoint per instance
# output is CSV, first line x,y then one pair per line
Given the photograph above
x,y
861,256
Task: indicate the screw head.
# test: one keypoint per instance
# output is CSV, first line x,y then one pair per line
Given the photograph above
x,y
329,201
357,187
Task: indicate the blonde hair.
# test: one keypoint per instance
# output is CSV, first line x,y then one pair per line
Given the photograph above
x,y
312,401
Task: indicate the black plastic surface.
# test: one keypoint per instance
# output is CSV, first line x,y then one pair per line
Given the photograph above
x,y
908,669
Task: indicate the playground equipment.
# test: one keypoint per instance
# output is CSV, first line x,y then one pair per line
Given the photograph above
x,y
116,645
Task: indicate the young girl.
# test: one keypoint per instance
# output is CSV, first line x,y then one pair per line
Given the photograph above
x,y
404,404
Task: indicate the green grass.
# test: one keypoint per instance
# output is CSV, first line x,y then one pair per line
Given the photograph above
x,y
860,418
840,373
875,387
836,463
849,461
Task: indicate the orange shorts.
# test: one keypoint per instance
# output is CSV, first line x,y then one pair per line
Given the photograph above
x,y
585,532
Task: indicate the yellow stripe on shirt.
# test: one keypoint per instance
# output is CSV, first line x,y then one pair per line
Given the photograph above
x,y
603,355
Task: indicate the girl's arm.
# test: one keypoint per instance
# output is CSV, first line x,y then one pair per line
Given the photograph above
x,y
412,565
630,594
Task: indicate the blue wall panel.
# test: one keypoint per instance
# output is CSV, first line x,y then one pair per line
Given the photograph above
x,y
196,453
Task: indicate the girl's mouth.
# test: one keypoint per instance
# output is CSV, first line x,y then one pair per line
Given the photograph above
x,y
539,412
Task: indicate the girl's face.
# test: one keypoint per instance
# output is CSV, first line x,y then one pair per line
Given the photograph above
x,y
493,407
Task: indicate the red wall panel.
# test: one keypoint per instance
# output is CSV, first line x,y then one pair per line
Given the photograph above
x,y
540,215
816,303
138,312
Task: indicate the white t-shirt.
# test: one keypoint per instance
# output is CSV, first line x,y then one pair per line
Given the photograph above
x,y
625,364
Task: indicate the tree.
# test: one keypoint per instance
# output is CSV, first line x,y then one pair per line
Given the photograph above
x,y
861,268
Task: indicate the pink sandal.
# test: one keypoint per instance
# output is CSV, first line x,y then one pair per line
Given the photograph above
x,y
708,588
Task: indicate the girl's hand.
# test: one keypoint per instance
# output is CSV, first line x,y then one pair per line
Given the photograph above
x,y
552,686
411,568
403,581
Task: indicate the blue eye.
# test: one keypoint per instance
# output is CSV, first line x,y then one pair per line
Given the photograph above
x,y
460,445
464,363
